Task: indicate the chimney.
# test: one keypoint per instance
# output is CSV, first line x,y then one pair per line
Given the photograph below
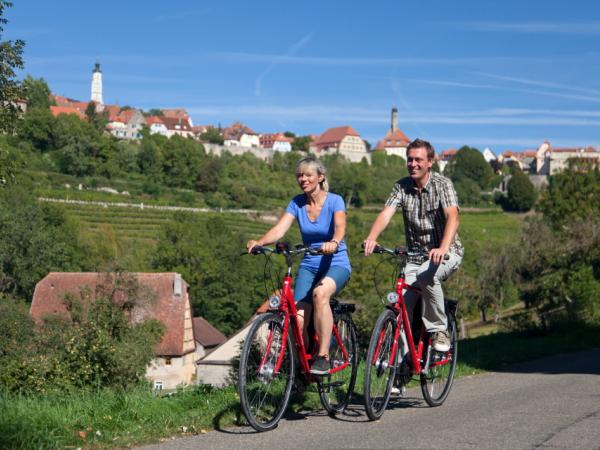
x,y
177,285
394,126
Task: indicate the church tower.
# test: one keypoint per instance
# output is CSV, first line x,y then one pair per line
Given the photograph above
x,y
394,124
97,85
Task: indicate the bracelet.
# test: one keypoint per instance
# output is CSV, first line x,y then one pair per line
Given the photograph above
x,y
337,243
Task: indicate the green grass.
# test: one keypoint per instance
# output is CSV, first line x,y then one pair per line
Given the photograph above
x,y
108,419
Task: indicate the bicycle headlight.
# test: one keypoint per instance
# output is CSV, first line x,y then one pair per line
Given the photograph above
x,y
274,301
392,297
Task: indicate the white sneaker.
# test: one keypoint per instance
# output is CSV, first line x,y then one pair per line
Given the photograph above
x,y
397,392
441,341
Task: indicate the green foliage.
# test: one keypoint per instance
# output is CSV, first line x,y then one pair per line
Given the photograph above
x,y
469,163
572,195
11,91
521,193
301,143
468,191
212,135
34,240
205,253
37,93
7,167
560,267
96,345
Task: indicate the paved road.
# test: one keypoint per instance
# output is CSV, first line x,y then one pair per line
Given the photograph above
x,y
552,403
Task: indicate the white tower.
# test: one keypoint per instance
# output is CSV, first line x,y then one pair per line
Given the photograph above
x,y
97,85
394,125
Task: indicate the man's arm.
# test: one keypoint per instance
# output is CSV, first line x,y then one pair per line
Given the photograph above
x,y
382,221
436,255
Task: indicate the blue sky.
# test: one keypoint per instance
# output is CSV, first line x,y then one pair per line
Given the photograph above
x,y
501,74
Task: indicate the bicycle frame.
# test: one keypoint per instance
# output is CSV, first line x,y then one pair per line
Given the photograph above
x,y
418,366
288,308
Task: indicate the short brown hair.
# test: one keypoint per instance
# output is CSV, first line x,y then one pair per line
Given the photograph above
x,y
420,143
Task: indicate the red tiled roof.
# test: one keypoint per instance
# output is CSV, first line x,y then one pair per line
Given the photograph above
x,y
236,130
172,122
335,135
169,308
207,335
393,139
177,113
56,110
153,119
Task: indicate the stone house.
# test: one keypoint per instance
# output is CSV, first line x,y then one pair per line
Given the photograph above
x,y
175,355
344,140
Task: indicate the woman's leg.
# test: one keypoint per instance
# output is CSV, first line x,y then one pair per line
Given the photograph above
x,y
323,317
304,314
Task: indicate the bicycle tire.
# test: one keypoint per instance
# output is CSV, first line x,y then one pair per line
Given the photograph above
x,y
336,389
437,382
264,395
379,375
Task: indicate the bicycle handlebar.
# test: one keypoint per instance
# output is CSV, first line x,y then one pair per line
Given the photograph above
x,y
400,251
283,248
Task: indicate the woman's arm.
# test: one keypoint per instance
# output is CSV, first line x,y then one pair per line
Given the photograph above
x,y
339,231
275,233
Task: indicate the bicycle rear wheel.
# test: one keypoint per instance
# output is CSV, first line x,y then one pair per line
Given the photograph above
x,y
336,389
264,394
436,383
379,373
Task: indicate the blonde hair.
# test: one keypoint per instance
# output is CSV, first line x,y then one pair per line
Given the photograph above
x,y
310,162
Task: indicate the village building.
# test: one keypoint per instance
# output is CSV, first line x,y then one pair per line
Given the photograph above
x,y
156,125
549,160
177,127
240,135
58,110
395,141
344,140
276,141
178,351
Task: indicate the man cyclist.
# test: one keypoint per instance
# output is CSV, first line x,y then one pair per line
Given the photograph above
x,y
430,210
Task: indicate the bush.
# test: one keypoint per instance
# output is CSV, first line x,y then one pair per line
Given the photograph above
x,y
95,346
520,193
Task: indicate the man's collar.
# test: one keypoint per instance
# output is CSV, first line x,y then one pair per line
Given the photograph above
x,y
426,187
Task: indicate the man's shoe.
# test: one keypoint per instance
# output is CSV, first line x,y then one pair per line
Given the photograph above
x,y
397,391
321,366
441,341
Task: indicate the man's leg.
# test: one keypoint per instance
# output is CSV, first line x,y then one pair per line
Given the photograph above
x,y
428,278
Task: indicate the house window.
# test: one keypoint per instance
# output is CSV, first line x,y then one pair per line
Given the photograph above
x,y
158,385
167,361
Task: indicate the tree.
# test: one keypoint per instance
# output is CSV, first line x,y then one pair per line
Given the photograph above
x,y
572,195
301,143
212,135
154,112
10,89
7,167
520,193
470,163
37,93
289,134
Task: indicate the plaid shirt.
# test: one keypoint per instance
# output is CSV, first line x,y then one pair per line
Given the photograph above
x,y
423,212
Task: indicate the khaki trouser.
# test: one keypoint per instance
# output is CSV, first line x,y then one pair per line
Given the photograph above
x,y
428,277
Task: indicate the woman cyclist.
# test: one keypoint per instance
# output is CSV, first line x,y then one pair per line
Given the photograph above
x,y
321,216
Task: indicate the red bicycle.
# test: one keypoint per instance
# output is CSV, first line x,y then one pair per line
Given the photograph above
x,y
395,355
268,358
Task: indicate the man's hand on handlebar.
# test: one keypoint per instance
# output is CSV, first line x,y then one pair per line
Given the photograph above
x,y
437,255
369,245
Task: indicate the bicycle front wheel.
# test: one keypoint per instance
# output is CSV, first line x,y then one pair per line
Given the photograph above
x,y
379,373
336,388
264,390
436,383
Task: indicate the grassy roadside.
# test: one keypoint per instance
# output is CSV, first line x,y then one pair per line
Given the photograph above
x,y
109,419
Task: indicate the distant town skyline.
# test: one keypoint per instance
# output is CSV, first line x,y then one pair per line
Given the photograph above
x,y
503,75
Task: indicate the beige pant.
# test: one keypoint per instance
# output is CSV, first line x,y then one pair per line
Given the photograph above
x,y
428,277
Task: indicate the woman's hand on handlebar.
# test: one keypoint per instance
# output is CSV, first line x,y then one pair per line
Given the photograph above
x,y
369,245
251,244
329,247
